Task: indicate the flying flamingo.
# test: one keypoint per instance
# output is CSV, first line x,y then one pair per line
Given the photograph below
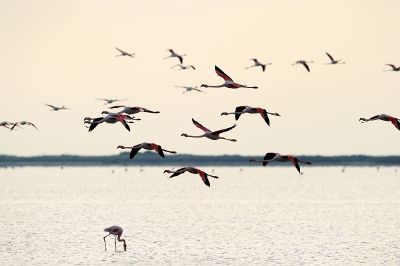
x,y
229,83
23,123
251,110
304,63
214,135
56,108
110,101
173,54
147,146
192,170
116,231
110,118
183,67
123,53
394,68
258,64
272,156
333,61
189,88
6,124
130,110
395,121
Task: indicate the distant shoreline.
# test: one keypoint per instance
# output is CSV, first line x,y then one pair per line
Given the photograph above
x,y
152,159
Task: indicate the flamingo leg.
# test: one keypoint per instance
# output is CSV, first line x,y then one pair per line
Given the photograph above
x,y
105,245
115,242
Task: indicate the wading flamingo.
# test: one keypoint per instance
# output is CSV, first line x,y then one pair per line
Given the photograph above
x,y
116,231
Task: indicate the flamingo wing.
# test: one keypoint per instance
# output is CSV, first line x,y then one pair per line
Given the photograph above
x,y
264,115
295,163
180,59
125,125
306,66
158,149
203,176
223,130
270,156
197,124
222,74
263,67
120,50
178,172
238,111
395,122
391,65
330,57
134,151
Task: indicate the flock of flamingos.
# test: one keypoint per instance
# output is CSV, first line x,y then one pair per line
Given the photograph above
x,y
124,115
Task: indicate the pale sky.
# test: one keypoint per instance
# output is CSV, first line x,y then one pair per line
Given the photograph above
x,y
63,53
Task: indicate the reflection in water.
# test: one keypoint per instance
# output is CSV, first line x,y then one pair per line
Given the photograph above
x,y
264,216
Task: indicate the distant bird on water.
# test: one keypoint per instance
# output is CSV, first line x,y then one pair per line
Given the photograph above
x,y
229,83
130,110
173,54
395,121
147,146
184,67
258,64
123,53
273,156
110,118
116,231
192,170
23,123
189,88
110,101
251,110
394,68
333,61
304,63
56,108
214,135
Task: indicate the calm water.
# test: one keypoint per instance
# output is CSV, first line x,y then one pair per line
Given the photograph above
x,y
260,216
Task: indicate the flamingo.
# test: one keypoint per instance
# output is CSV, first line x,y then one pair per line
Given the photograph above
x,y
214,135
251,110
184,67
273,156
110,118
110,101
173,54
189,88
229,83
192,170
304,63
258,64
23,123
56,108
147,146
123,53
133,109
394,68
6,124
395,121
333,61
116,231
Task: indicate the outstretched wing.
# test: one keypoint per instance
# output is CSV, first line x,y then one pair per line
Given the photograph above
x,y
296,164
197,124
263,67
203,176
306,66
392,66
126,125
158,149
330,57
264,115
269,156
395,122
178,172
222,74
223,130
134,151
49,105
238,111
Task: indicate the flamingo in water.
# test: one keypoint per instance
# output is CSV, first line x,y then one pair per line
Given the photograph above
x,y
395,121
192,170
251,110
110,118
258,64
304,63
229,83
116,231
173,54
214,135
273,156
147,146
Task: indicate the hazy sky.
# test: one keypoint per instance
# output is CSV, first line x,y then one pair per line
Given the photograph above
x,y
63,53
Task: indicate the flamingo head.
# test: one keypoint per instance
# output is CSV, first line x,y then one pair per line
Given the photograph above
x,y
204,85
105,112
184,135
275,114
252,160
168,171
120,147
